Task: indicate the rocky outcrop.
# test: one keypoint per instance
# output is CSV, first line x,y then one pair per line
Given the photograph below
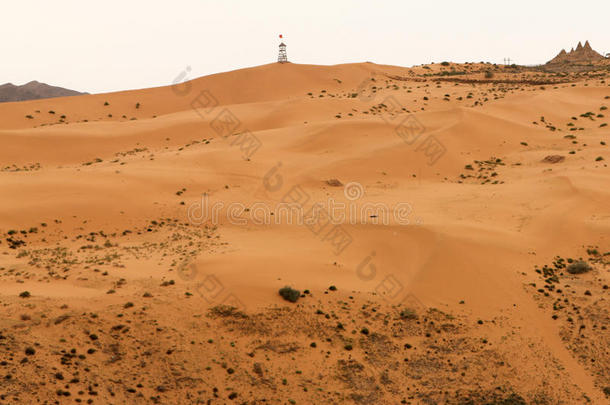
x,y
582,53
33,91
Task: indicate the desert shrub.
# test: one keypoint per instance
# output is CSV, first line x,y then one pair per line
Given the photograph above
x,y
227,311
408,313
445,63
290,294
489,74
578,267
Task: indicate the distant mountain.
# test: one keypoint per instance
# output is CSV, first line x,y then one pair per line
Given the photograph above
x,y
33,91
580,54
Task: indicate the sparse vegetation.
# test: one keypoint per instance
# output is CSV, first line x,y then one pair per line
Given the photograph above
x,y
578,267
289,294
408,313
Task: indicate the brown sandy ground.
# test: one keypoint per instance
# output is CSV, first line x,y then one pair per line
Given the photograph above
x,y
111,294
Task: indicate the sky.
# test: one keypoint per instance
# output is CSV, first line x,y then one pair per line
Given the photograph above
x,y
101,46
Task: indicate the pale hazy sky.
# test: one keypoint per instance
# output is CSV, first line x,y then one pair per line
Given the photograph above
x,y
100,46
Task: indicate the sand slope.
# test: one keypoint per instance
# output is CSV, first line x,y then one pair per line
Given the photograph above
x,y
119,190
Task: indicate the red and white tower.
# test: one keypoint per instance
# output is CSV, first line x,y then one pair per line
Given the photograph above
x,y
282,57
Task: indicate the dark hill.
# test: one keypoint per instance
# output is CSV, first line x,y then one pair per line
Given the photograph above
x,y
32,91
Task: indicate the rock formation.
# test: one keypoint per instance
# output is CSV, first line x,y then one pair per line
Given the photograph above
x,y
580,54
33,91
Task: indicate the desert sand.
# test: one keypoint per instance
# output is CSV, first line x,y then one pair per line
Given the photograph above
x,y
115,289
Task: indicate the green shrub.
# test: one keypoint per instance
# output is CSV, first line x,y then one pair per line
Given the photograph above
x,y
408,313
290,294
227,311
578,267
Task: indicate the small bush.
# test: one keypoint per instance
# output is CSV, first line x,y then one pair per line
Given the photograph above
x,y
445,63
290,294
408,313
25,294
489,74
578,267
227,311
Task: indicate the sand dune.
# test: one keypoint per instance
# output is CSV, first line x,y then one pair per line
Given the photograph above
x,y
472,210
